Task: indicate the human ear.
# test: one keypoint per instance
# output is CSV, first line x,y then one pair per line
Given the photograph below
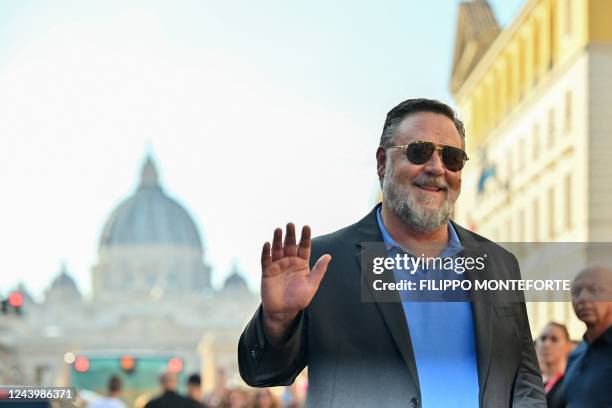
x,y
381,162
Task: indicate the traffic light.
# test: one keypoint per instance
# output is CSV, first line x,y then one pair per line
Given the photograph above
x,y
15,300
81,364
175,365
128,364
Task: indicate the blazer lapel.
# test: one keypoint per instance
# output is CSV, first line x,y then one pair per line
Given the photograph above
x,y
483,326
391,307
482,309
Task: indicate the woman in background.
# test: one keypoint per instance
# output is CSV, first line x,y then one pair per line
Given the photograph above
x,y
553,347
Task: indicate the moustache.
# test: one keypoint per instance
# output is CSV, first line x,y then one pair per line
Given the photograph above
x,y
428,181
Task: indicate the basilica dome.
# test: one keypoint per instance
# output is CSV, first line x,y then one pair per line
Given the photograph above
x,y
150,217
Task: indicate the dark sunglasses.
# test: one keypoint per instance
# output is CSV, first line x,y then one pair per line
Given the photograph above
x,y
544,337
419,152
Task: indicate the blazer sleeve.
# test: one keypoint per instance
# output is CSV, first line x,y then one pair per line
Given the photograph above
x,y
262,364
528,387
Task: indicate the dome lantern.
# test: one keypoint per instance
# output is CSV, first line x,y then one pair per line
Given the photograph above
x,y
149,177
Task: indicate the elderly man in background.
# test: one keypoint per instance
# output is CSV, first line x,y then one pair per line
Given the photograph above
x,y
588,378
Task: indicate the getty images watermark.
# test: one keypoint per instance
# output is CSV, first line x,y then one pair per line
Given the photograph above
x,y
510,272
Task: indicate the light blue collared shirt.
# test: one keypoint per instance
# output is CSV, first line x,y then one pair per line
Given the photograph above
x,y
443,337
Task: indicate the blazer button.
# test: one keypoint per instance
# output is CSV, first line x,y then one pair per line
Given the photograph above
x,y
255,352
414,402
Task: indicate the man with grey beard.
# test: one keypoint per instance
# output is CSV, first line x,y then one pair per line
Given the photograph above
x,y
320,306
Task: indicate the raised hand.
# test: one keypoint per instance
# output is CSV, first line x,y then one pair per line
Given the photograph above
x,y
287,283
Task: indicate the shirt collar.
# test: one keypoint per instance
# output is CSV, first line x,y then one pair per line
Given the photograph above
x,y
453,245
606,336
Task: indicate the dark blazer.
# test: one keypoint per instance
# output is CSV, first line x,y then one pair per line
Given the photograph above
x,y
359,354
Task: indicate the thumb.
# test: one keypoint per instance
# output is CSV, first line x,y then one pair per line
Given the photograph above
x,y
318,270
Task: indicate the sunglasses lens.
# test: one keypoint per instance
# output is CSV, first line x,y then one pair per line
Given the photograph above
x,y
419,152
453,158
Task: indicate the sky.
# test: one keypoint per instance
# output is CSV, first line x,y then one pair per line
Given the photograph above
x,y
256,114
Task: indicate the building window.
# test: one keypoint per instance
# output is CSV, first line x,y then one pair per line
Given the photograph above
x,y
475,116
552,36
536,220
521,226
536,51
521,67
535,313
567,122
502,89
488,108
552,129
508,229
509,163
521,154
551,306
568,201
535,142
509,82
551,213
568,17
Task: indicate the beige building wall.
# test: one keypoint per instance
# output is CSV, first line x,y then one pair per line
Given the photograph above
x,y
538,109
600,141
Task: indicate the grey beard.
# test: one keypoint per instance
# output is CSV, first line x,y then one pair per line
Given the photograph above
x,y
405,206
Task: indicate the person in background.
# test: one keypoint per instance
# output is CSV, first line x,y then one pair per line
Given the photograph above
x,y
194,390
169,397
236,398
553,346
588,378
113,400
263,398
291,397
219,394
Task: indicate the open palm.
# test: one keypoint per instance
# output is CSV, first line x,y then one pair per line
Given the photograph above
x,y
287,283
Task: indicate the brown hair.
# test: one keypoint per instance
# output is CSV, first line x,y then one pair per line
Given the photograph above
x,y
411,106
562,327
